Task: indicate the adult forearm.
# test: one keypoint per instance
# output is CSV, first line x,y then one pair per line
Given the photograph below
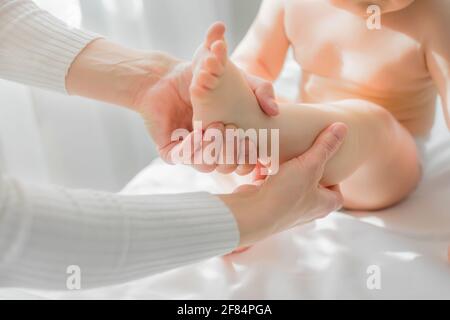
x,y
113,73
40,50
35,47
44,230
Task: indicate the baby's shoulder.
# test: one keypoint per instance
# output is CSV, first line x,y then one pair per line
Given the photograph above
x,y
433,19
433,13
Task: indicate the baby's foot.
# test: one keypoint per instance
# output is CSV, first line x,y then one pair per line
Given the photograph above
x,y
219,90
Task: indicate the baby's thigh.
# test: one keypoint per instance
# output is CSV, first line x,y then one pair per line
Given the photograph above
x,y
388,177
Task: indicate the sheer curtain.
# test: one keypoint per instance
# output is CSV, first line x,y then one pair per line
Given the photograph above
x,y
50,138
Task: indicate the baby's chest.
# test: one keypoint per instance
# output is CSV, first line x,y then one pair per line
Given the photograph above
x,y
340,46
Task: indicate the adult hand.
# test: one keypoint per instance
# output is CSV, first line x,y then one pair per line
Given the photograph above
x,y
292,197
152,83
166,106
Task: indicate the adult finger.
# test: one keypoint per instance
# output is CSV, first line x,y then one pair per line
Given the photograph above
x,y
204,160
167,152
181,152
323,202
259,176
245,187
324,148
228,160
329,200
249,153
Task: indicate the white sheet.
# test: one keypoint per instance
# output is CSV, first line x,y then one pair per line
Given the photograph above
x,y
325,259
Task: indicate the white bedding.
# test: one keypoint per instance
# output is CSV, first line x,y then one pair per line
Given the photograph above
x,y
325,259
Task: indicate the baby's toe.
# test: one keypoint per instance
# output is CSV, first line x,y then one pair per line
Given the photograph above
x,y
207,80
215,32
219,49
213,66
197,90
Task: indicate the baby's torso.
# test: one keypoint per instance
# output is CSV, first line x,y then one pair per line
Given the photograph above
x,y
342,59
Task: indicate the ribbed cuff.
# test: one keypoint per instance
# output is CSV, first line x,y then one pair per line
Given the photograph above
x,y
35,47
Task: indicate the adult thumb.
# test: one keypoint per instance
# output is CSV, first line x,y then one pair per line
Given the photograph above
x,y
324,148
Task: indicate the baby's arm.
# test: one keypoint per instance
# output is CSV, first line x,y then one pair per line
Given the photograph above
x,y
263,50
438,55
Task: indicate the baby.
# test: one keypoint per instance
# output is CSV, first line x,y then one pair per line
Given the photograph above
x,y
382,83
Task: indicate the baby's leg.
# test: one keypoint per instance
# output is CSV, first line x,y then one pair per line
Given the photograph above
x,y
377,165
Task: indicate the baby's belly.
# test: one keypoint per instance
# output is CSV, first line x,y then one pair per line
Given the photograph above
x,y
414,109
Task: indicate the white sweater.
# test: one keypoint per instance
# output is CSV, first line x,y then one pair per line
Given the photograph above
x,y
111,238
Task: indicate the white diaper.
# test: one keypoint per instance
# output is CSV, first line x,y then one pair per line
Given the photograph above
x,y
421,143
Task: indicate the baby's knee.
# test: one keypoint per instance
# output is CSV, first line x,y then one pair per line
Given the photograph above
x,y
371,117
368,110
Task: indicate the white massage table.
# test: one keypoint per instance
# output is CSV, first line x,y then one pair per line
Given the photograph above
x,y
327,259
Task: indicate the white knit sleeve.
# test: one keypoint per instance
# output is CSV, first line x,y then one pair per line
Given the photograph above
x,y
111,238
35,47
